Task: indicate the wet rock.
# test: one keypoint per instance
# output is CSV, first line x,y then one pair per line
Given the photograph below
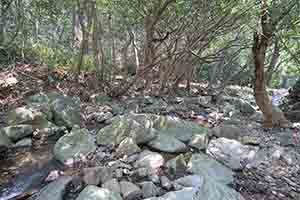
x,y
112,185
127,147
17,132
149,189
199,142
190,181
130,191
177,165
165,182
202,164
54,190
167,144
230,152
71,145
150,160
95,193
66,111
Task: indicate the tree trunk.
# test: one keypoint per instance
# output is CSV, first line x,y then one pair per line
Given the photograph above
x,y
272,116
274,61
135,50
97,45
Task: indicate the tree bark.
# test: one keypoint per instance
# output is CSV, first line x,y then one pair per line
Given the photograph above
x,y
272,116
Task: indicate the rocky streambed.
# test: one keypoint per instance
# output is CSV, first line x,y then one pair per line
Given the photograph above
x,y
144,149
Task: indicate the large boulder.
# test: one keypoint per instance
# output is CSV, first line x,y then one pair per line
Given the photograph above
x,y
123,127
17,132
150,160
229,131
54,190
242,105
66,111
95,193
74,144
204,165
230,152
167,144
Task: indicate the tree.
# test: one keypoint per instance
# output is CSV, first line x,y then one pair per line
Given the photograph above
x,y
272,116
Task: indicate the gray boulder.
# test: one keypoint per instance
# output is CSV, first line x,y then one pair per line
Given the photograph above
x,y
54,190
17,132
229,131
167,144
127,147
204,165
95,193
150,160
177,165
66,111
112,185
190,181
230,152
149,189
74,144
130,191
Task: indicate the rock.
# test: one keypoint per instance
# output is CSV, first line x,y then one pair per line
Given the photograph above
x,y
4,139
95,193
227,131
66,111
141,172
165,182
204,165
230,152
150,160
17,132
184,194
127,147
130,191
119,173
112,185
24,142
183,130
199,142
257,116
177,165
71,145
214,190
121,128
167,144
54,190
20,115
149,189
242,105
190,181
154,178
96,175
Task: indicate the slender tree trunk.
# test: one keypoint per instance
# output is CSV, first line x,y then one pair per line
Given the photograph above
x,y
97,45
274,61
135,50
272,116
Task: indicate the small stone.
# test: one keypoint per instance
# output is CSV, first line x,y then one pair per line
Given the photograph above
x,y
112,185
130,191
165,182
149,189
